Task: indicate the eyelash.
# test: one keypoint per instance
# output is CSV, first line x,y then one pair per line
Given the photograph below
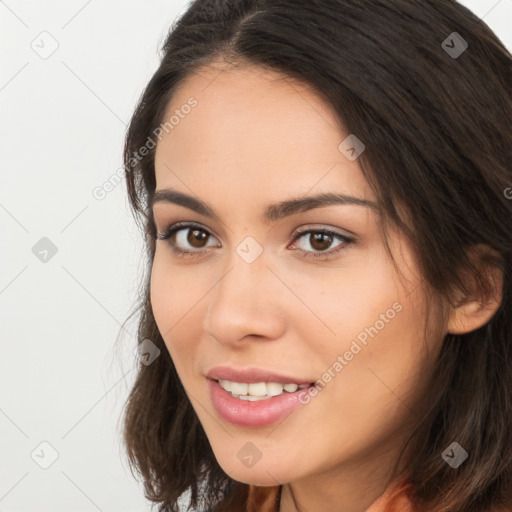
x,y
172,230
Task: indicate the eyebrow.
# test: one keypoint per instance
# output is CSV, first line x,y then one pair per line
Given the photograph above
x,y
272,213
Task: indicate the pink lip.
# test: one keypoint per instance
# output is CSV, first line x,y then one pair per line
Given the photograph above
x,y
252,414
251,375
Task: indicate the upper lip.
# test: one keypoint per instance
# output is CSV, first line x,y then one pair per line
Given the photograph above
x,y
252,375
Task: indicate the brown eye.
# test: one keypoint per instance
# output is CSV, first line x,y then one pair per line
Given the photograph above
x,y
187,239
196,237
320,241
316,242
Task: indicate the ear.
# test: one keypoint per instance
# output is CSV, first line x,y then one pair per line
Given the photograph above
x,y
473,312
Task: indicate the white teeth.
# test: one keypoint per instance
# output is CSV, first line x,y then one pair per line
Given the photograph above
x,y
274,388
253,398
226,384
255,391
239,388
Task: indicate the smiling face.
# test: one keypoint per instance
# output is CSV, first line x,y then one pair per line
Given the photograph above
x,y
306,292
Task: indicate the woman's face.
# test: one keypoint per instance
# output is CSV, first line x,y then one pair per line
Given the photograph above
x,y
271,293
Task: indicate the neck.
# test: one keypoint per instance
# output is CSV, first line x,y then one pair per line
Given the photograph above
x,y
350,487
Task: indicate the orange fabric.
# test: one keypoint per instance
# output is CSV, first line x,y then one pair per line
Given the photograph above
x,y
396,498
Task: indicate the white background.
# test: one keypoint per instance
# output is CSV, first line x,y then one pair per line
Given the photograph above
x,y
63,381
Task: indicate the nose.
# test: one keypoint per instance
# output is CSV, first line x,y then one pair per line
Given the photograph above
x,y
248,302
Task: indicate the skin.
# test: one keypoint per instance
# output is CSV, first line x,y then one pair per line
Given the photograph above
x,y
257,138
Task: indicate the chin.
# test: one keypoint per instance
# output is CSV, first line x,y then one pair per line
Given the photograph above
x,y
252,476
262,472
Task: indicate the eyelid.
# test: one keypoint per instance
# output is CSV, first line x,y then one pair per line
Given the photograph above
x,y
298,231
177,226
345,241
322,227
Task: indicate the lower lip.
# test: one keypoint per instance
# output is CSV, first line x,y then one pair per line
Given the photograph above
x,y
252,414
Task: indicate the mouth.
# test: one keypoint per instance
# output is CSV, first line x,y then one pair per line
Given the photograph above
x,y
255,404
257,391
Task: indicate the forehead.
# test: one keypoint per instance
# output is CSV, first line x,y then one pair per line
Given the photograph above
x,y
254,128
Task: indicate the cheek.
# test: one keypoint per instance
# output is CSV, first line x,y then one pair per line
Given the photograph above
x,y
383,365
347,299
373,323
162,292
175,292
176,303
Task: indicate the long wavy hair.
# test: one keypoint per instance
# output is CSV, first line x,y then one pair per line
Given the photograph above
x,y
437,130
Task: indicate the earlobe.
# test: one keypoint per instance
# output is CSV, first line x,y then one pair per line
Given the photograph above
x,y
471,314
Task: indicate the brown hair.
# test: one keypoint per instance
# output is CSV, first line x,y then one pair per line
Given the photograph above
x,y
437,130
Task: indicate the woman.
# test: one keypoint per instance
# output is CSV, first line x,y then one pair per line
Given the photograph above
x,y
325,192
